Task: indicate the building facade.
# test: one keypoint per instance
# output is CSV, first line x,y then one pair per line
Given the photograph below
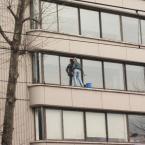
x,y
108,39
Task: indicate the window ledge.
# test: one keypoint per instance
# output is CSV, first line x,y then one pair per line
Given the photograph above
x,y
78,142
91,39
90,89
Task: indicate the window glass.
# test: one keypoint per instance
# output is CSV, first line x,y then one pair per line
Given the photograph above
x,y
51,69
143,31
64,61
68,19
114,75
89,23
93,73
49,16
136,128
53,124
131,30
36,124
117,128
95,126
110,26
73,125
135,78
35,68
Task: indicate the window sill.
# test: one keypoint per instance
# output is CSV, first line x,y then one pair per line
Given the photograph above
x,y
90,89
78,142
91,39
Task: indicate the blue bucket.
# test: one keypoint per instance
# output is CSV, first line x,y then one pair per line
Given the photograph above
x,y
89,85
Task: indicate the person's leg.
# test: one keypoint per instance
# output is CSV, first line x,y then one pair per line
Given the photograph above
x,y
75,77
80,79
70,80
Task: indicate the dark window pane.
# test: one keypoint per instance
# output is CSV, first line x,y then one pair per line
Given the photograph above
x,y
89,23
136,128
135,78
68,19
114,75
93,73
49,16
131,30
110,26
51,69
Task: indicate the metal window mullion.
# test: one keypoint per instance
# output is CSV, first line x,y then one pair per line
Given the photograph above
x,y
60,81
127,125
106,123
100,24
62,123
103,75
121,27
79,21
85,125
140,32
57,18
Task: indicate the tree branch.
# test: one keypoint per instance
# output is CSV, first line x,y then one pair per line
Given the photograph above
x,y
5,36
29,18
13,14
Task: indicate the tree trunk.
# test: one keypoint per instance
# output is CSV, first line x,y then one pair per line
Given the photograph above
x,y
10,100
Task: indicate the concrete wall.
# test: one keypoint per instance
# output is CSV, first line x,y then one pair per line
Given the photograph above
x,y
24,117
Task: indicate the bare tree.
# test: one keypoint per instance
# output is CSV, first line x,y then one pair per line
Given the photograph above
x,y
14,44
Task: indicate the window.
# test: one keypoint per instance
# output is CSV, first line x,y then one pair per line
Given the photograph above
x,y
117,128
38,124
95,126
73,125
68,19
136,128
131,29
49,16
114,75
51,69
93,73
35,13
135,78
53,124
89,23
35,68
143,31
64,61
110,26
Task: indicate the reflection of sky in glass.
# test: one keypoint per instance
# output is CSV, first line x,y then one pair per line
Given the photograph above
x,y
68,19
73,125
89,23
111,26
131,29
143,31
117,127
135,78
51,69
93,72
49,16
114,75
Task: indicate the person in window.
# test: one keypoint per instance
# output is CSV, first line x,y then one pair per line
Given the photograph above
x,y
69,70
77,70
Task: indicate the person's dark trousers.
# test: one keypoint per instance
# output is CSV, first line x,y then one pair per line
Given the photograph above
x,y
70,80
